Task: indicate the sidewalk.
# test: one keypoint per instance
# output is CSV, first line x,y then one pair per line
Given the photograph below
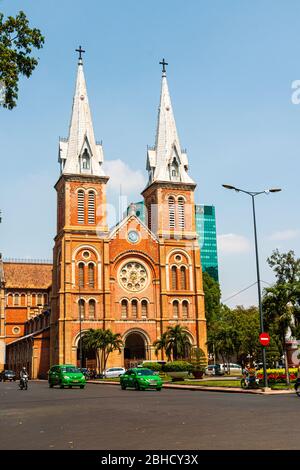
x,y
207,389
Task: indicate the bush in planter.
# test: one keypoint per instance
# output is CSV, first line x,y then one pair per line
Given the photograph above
x,y
153,366
178,370
199,362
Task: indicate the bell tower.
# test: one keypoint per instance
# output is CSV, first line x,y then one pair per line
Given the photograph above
x,y
169,194
81,222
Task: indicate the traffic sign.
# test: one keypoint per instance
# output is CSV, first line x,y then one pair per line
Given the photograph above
x,y
264,339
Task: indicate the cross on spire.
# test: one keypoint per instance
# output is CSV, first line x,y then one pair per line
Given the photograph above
x,y
81,51
164,63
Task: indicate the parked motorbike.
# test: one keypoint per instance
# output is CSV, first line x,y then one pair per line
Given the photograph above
x,y
297,387
252,382
24,382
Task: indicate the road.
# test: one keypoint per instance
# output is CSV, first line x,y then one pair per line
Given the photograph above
x,y
105,417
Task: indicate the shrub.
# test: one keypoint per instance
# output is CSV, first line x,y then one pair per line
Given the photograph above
x,y
198,360
177,366
153,366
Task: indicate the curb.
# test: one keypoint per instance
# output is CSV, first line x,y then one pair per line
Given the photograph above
x,y
200,388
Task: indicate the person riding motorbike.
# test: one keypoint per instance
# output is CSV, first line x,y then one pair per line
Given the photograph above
x,y
249,378
23,378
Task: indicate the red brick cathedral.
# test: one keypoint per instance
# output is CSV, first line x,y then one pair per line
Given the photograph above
x,y
136,279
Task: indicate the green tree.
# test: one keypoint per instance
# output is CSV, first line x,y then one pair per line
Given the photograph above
x,y
161,343
285,266
246,323
102,342
16,42
175,342
279,313
212,297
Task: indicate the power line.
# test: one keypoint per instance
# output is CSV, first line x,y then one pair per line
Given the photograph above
x,y
246,288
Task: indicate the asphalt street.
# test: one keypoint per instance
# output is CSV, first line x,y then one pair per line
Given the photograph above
x,y
106,417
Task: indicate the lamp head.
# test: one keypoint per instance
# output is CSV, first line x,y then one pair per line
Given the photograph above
x,y
228,186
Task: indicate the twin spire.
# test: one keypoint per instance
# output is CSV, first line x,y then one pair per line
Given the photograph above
x,y
81,154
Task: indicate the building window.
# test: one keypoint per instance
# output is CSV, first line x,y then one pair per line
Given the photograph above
x,y
171,202
144,308
181,215
16,330
81,274
92,309
81,309
91,272
183,278
80,206
174,277
175,309
185,309
124,308
91,207
16,300
86,160
40,300
134,306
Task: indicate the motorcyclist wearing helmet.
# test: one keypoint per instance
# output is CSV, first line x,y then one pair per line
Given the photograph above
x,y
23,374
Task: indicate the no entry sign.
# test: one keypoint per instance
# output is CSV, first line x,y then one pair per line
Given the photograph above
x,y
264,339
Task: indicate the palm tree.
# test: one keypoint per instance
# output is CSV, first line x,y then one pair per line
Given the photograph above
x,y
175,342
161,343
102,342
279,306
112,342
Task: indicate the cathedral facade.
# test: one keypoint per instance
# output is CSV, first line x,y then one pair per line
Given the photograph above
x,y
139,277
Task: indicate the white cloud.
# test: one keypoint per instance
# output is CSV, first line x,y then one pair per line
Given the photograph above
x,y
121,176
231,243
284,235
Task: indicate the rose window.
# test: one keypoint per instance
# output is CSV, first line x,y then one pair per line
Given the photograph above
x,y
133,276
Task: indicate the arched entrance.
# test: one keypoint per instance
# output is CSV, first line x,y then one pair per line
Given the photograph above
x,y
135,349
88,357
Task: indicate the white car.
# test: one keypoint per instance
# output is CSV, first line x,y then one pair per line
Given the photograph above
x,y
114,372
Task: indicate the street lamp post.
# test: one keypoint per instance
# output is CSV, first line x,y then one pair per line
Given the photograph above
x,y
253,194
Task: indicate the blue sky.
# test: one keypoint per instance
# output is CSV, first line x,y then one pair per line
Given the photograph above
x,y
230,73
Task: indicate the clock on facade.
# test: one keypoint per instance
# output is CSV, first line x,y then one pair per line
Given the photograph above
x,y
133,236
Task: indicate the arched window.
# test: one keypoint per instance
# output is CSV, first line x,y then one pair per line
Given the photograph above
x,y
91,273
185,309
144,308
81,309
181,214
174,170
134,306
174,277
86,160
40,299
171,202
92,309
124,308
45,299
23,300
183,278
175,309
16,300
91,207
81,274
80,206
33,300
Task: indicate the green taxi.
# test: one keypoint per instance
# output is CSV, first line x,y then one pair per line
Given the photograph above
x,y
140,379
66,375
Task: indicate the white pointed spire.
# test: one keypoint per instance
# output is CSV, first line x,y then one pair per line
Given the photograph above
x,y
80,154
166,161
